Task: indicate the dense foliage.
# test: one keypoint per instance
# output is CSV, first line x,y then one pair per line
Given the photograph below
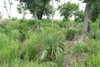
x,y
68,9
22,43
38,7
34,43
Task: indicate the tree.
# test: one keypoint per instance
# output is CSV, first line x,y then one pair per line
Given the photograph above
x,y
38,8
53,11
89,3
10,3
95,11
21,9
5,6
79,16
0,15
68,9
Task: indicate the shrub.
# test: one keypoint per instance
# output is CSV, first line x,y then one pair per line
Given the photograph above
x,y
71,33
23,21
48,23
4,21
14,63
93,26
97,35
49,29
18,63
78,48
45,64
23,27
79,27
45,24
45,21
4,41
14,19
29,34
93,47
28,50
63,23
32,22
51,43
30,47
59,60
93,30
14,34
9,52
2,30
2,26
94,61
8,28
76,64
15,25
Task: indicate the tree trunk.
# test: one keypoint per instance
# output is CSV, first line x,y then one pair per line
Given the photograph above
x,y
35,16
85,26
23,13
7,12
52,13
9,9
36,13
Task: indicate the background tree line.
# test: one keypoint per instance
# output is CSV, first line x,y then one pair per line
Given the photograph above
x,y
39,8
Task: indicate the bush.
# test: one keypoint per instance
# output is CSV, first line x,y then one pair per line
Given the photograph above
x,y
59,60
32,22
14,34
29,34
76,64
2,30
9,52
14,19
23,21
45,23
71,33
18,63
93,30
93,47
94,61
4,41
46,64
37,45
51,43
63,23
30,47
28,50
79,27
8,28
97,35
23,27
78,48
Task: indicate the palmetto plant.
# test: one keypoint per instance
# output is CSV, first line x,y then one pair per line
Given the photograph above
x,y
51,45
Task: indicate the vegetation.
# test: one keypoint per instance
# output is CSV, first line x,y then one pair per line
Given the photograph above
x,y
68,9
38,7
47,42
